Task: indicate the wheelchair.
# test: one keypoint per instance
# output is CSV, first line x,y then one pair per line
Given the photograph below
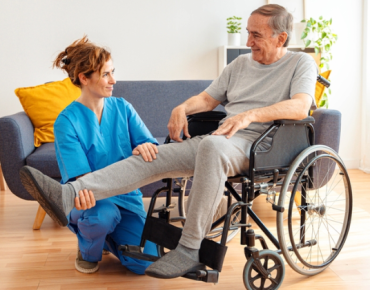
x,y
306,184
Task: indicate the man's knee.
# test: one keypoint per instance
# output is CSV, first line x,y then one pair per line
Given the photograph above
x,y
213,146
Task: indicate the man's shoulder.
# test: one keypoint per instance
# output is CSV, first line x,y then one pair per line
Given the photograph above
x,y
298,56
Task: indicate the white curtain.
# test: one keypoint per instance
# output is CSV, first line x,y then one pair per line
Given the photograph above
x,y
365,130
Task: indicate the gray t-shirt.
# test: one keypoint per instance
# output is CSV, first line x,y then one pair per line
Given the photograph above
x,y
246,84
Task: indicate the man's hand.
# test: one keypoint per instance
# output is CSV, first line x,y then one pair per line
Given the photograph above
x,y
147,150
177,123
233,124
86,200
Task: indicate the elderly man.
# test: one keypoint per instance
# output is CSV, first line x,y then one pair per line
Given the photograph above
x,y
268,84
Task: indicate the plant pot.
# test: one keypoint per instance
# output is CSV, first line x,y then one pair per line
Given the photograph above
x,y
233,39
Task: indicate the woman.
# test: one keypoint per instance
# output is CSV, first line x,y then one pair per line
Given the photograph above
x,y
93,132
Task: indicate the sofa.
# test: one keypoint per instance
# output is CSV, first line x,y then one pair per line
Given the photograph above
x,y
153,100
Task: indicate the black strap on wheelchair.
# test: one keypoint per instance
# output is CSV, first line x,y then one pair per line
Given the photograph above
x,y
162,233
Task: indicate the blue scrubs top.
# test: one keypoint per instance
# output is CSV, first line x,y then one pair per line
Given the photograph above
x,y
83,145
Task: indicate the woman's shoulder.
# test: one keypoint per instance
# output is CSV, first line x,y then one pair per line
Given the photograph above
x,y
68,115
119,103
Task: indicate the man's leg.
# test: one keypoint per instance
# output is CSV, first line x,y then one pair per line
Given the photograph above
x,y
216,159
173,160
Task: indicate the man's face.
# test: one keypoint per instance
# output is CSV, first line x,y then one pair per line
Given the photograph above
x,y
261,40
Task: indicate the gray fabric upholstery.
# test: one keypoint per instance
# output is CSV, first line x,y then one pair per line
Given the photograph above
x,y
44,159
327,132
154,100
16,143
327,127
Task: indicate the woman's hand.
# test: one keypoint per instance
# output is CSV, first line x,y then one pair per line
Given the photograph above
x,y
86,200
148,151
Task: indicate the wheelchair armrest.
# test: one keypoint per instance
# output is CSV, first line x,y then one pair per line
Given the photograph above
x,y
308,120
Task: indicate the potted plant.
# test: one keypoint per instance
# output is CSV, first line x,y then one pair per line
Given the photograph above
x,y
233,29
318,34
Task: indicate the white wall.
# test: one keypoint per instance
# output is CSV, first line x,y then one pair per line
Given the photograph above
x,y
346,68
164,40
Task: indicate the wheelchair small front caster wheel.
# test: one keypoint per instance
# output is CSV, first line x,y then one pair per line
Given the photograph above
x,y
274,265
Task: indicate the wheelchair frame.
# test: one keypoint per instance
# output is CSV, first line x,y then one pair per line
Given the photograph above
x,y
261,179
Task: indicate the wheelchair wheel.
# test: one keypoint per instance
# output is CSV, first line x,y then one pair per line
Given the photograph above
x,y
273,263
185,185
312,234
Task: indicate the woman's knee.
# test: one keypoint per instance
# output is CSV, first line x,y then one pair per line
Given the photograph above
x,y
104,216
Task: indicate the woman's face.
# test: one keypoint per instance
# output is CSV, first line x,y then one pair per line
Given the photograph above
x,y
101,84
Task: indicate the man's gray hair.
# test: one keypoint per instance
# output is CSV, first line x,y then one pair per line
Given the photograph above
x,y
280,19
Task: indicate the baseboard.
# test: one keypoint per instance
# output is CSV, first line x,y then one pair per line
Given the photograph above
x,y
352,163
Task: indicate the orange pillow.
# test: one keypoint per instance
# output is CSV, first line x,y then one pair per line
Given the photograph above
x,y
43,104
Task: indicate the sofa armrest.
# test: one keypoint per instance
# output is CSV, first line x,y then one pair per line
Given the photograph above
x,y
16,143
327,127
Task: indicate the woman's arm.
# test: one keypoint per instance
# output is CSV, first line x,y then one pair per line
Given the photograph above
x,y
72,160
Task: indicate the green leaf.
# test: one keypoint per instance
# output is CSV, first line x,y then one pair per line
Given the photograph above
x,y
321,65
323,35
309,24
313,29
322,103
304,21
327,47
304,35
329,89
320,17
330,21
307,43
317,50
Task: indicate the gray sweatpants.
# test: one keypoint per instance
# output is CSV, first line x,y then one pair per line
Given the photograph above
x,y
209,159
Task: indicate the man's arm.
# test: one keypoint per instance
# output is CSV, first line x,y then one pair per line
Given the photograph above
x,y
178,122
294,109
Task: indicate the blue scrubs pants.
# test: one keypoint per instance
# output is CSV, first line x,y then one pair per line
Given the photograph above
x,y
107,225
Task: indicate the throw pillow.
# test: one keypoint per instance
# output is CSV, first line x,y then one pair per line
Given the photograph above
x,y
43,104
319,91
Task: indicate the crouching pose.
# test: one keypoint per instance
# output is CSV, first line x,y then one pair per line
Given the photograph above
x,y
93,132
270,83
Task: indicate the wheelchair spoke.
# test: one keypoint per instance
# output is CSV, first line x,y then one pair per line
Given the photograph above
x,y
273,268
329,235
263,280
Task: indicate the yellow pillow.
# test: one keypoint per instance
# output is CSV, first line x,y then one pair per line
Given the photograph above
x,y
319,91
43,104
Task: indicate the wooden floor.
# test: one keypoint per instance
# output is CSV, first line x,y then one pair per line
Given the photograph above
x,y
44,259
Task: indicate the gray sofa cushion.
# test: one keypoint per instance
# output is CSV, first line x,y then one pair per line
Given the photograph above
x,y
44,159
154,100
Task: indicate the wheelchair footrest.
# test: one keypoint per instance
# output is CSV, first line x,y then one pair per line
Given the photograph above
x,y
161,233
208,276
136,252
